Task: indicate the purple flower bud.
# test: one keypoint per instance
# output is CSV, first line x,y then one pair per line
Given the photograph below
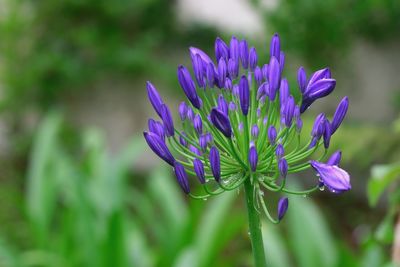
x,y
234,49
302,79
261,90
321,88
190,114
203,56
258,112
289,111
282,61
275,47
264,71
327,134
283,167
154,97
199,170
182,139
209,138
183,109
233,68
244,53
222,71
340,113
232,106
221,122
235,90
258,75
334,178
280,151
272,134
194,150
198,124
215,163
299,124
167,120
284,92
157,128
221,49
244,95
296,112
265,120
228,84
159,147
274,77
203,142
254,131
283,205
319,126
181,177
222,105
253,58
199,69
253,158
335,158
188,86
318,75
210,74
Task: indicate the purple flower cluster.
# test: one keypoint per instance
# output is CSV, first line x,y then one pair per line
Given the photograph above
x,y
241,121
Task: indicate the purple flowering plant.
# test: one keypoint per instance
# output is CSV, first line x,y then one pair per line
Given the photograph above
x,y
241,127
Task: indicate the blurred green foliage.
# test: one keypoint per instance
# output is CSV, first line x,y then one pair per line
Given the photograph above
x,y
320,31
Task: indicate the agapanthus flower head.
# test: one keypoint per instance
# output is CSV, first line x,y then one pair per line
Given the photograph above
x,y
241,123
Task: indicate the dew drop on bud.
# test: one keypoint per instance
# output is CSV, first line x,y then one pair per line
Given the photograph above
x,y
205,199
322,188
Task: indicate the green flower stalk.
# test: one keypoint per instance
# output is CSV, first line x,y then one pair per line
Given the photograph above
x,y
241,128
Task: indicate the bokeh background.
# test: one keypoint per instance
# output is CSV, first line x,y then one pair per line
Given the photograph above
x,y
78,186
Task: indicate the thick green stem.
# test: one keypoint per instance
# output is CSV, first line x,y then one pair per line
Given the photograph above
x,y
254,227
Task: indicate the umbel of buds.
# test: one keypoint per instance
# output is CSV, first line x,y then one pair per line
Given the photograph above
x,y
241,123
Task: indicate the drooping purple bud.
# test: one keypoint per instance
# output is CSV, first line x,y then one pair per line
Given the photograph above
x,y
198,124
221,49
182,139
284,92
283,167
275,47
244,53
188,86
272,134
203,142
321,88
221,122
181,177
335,158
334,178
154,97
279,151
318,75
327,134
319,126
302,79
228,84
194,150
264,71
253,58
210,74
232,106
283,205
183,109
199,170
289,111
340,113
215,163
222,105
258,75
274,77
157,128
167,120
234,49
244,95
159,147
233,68
190,113
222,71
255,131
253,158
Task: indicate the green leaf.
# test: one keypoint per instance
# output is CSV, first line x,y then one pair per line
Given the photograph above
x,y
276,251
381,177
